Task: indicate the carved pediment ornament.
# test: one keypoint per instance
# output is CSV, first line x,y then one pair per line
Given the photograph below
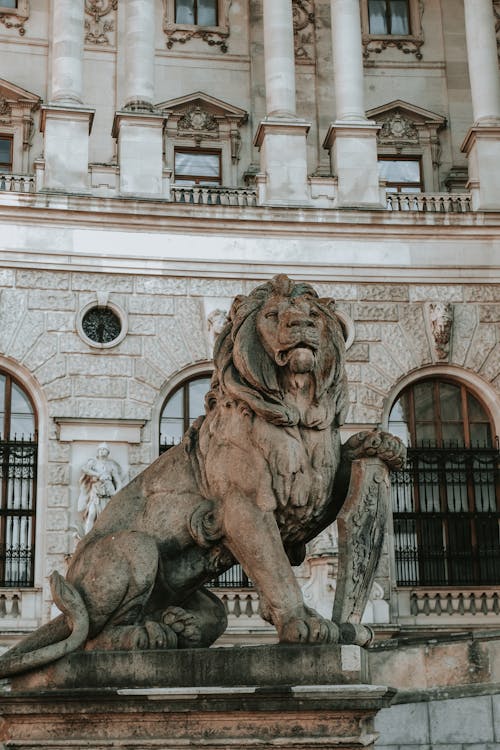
x,y
303,29
5,110
96,28
398,128
197,119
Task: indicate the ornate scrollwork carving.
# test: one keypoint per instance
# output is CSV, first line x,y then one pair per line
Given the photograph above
x,y
212,38
303,30
410,44
17,17
398,128
96,28
197,119
5,110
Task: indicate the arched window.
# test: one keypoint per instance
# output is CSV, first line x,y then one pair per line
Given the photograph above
x,y
182,406
18,468
446,502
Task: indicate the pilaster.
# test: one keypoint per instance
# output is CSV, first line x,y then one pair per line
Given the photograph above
x,y
282,144
66,132
140,148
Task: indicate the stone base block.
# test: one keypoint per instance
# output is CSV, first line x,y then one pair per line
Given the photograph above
x,y
66,148
283,160
482,146
261,696
140,153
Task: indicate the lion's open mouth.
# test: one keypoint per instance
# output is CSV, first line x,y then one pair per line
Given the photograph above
x,y
301,349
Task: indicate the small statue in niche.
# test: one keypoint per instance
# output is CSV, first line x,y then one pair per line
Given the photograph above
x,y
100,479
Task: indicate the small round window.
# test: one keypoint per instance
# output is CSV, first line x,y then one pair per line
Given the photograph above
x,y
102,325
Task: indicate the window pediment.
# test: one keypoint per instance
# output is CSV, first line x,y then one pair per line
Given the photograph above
x,y
402,122
16,114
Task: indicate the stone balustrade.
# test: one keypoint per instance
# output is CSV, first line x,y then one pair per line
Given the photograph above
x,y
209,196
16,183
10,605
240,603
447,203
478,601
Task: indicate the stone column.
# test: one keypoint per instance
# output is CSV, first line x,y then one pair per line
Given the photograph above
x,y
65,122
281,136
482,143
351,138
138,128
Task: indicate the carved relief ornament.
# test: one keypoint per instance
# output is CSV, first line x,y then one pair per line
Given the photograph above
x,y
397,128
97,26
441,321
15,18
303,30
197,119
408,44
214,36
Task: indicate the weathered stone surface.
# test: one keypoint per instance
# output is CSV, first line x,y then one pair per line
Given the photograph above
x,y
384,292
90,408
489,313
58,497
412,322
61,388
462,333
193,326
407,723
102,364
42,279
337,291
491,368
398,348
358,353
51,370
56,520
140,454
136,410
367,311
64,407
51,300
370,397
145,325
148,374
447,723
368,332
43,351
483,342
159,358
60,321
436,293
12,307
171,340
160,285
215,287
56,543
141,392
151,305
7,277
99,387
482,293
30,330
96,282
58,474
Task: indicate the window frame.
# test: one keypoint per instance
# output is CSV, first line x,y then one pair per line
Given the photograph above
x,y
195,8
215,36
9,166
406,43
184,387
438,475
23,455
400,157
388,18
199,179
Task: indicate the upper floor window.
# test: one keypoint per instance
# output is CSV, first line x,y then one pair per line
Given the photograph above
x,y
389,17
401,175
197,167
8,3
196,12
446,502
5,153
18,469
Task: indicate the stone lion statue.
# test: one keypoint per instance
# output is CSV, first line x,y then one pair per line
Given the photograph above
x,y
255,478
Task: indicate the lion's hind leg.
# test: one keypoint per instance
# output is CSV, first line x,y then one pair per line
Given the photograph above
x,y
199,622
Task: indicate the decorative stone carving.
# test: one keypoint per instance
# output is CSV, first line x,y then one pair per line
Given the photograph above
x,y
215,323
17,107
496,13
398,128
303,30
409,44
197,119
441,321
214,36
17,17
255,478
100,479
97,25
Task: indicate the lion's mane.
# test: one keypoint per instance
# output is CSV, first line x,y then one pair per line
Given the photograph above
x,y
245,372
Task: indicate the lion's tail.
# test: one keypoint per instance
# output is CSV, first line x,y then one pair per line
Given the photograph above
x,y
54,640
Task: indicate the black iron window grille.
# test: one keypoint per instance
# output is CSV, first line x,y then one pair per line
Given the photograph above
x,y
446,513
18,473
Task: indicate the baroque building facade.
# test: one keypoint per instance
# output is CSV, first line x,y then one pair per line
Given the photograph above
x,y
158,157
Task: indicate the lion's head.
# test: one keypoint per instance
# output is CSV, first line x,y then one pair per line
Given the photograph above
x,y
279,326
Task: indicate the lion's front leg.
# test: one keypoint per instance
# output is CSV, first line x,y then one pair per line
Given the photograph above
x,y
253,537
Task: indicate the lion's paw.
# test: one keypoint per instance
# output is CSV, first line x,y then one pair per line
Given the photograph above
x,y
383,445
312,628
184,624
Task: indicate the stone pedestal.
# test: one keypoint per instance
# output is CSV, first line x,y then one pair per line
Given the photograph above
x,y
353,155
283,157
140,149
66,147
482,146
220,698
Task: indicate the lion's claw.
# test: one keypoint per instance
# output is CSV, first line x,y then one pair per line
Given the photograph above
x,y
309,629
184,624
383,445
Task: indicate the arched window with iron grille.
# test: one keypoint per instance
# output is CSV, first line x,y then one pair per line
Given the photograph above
x,y
18,472
446,501
181,407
